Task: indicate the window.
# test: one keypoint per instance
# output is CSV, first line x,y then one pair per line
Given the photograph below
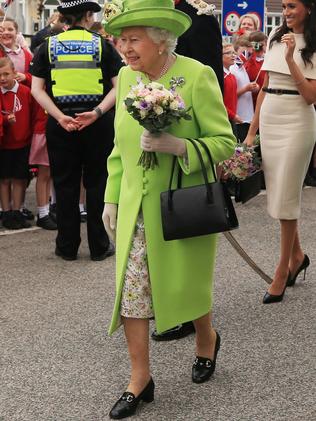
x,y
50,6
273,20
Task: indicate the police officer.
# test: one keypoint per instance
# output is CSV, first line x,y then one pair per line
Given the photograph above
x,y
74,77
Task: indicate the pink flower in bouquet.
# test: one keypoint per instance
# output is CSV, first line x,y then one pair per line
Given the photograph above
x,y
156,109
242,164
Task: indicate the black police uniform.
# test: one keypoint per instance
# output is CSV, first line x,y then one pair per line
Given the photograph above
x,y
80,153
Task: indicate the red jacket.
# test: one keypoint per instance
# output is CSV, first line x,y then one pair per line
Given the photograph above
x,y
253,68
19,134
28,59
230,95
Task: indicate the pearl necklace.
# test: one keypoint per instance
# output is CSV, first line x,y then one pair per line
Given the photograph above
x,y
202,7
164,68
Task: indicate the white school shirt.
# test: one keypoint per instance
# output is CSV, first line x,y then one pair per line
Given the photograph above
x,y
245,108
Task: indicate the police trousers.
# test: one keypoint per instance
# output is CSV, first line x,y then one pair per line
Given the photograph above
x,y
73,155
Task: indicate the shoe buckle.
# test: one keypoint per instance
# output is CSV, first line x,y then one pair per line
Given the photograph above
x,y
129,398
208,364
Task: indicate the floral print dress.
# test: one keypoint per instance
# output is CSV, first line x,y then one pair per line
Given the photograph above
x,y
136,301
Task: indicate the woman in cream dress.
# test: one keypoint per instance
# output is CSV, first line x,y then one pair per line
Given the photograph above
x,y
287,123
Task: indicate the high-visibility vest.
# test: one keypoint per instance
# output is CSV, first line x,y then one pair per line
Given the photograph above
x,y
75,61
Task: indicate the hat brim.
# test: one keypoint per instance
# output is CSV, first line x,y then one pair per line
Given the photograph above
x,y
172,20
85,7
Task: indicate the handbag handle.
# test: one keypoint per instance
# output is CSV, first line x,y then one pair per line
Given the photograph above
x,y
209,194
208,153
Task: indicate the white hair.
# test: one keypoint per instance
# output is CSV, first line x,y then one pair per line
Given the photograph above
x,y
158,35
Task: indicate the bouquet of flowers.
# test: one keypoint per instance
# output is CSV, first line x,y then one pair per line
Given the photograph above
x,y
243,172
155,108
244,163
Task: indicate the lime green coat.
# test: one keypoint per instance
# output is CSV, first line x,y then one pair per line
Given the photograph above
x,y
180,271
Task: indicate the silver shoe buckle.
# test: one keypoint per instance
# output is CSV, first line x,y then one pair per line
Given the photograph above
x,y
208,364
129,398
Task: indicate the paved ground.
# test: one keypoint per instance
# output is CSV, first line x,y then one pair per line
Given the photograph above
x,y
58,364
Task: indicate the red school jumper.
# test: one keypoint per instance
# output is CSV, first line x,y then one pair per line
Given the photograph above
x,y
230,94
20,101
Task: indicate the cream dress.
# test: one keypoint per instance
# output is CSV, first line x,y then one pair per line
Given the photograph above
x,y
288,134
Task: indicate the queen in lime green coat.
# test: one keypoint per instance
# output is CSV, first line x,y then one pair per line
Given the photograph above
x,y
179,272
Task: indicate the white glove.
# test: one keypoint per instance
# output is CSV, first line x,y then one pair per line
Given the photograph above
x,y
165,143
109,219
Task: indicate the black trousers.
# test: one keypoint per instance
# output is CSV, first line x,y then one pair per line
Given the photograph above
x,y
72,156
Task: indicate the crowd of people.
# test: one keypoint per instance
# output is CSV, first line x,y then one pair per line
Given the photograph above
x,y
241,82
58,101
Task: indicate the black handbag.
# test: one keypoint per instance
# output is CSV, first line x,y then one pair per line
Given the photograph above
x,y
196,210
248,188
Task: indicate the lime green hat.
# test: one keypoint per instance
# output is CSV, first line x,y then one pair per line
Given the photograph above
x,y
119,14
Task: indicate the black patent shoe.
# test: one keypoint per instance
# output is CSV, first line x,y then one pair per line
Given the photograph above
x,y
46,222
270,298
27,214
291,281
178,332
128,402
19,221
203,368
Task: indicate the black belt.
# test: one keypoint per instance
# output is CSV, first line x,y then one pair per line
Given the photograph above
x,y
73,110
280,91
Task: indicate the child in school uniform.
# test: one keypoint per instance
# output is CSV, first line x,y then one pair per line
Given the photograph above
x,y
20,56
230,86
245,88
17,107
